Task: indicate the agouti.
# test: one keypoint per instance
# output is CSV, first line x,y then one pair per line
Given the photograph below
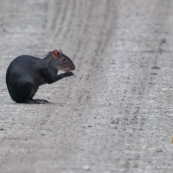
x,y
26,73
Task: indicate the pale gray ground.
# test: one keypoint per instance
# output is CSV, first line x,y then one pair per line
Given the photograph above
x,y
116,113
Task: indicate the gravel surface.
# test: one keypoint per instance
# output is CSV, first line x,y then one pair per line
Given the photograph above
x,y
116,113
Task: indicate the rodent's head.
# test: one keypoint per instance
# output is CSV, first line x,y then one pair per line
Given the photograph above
x,y
62,62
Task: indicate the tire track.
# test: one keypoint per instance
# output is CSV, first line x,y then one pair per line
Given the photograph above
x,y
134,119
80,19
84,59
71,18
59,29
85,9
108,25
55,18
94,62
50,17
81,43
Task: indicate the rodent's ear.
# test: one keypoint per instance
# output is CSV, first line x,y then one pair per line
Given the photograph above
x,y
55,53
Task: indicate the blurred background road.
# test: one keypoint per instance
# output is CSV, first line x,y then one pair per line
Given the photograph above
x,y
116,113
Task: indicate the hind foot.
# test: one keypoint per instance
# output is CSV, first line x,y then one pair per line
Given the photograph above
x,y
37,101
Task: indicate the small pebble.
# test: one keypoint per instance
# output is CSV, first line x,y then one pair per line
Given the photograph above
x,y
86,167
151,101
164,89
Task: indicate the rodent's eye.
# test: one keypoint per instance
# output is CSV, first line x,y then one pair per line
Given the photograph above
x,y
64,60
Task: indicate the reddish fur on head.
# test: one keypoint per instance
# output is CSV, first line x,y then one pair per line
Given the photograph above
x,y
54,53
61,61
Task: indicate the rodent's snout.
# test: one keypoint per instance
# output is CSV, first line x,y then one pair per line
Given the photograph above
x,y
68,68
73,67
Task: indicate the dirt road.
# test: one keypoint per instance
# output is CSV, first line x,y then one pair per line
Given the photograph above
x,y
116,113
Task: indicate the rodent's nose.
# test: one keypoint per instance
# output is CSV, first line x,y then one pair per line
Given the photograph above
x,y
73,67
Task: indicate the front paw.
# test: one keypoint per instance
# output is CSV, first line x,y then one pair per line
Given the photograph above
x,y
68,74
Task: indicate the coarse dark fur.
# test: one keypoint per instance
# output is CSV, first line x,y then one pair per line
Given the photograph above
x,y
26,73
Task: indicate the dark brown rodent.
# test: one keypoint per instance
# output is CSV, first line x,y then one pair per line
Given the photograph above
x,y
26,73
